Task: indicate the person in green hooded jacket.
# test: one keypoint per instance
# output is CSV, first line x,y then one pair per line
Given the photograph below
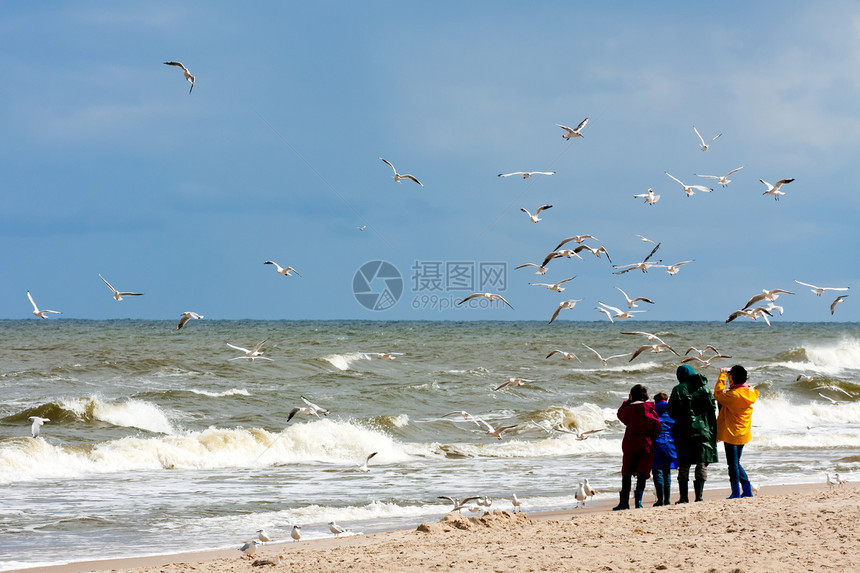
x,y
693,407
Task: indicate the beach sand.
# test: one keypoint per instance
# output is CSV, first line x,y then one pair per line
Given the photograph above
x,y
805,527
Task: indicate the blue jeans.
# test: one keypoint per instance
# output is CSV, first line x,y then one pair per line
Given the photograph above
x,y
733,459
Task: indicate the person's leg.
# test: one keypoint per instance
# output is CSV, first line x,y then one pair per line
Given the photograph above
x,y
733,461
683,479
624,494
658,486
701,478
667,483
641,478
746,487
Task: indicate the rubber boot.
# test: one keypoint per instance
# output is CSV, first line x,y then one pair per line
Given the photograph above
x,y
699,488
637,496
683,492
736,490
624,500
747,489
658,487
667,487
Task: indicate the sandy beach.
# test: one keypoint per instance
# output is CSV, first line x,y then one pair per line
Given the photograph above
x,y
785,528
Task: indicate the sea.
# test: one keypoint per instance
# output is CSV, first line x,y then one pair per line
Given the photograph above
x,y
163,440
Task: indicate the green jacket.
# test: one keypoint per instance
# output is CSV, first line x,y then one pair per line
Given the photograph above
x,y
694,410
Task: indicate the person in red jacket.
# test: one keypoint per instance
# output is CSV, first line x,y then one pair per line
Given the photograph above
x,y
643,428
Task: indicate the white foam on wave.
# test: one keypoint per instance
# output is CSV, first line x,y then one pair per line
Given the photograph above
x,y
834,358
779,414
345,361
129,413
638,367
230,392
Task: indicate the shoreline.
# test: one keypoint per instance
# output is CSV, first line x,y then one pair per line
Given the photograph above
x,y
402,546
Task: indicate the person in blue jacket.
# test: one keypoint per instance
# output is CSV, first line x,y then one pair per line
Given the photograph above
x,y
664,451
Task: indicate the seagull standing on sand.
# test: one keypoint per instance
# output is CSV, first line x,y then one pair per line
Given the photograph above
x,y
527,174
36,426
722,180
650,197
821,290
567,304
118,295
555,286
296,533
40,313
705,146
252,354
839,299
774,189
281,270
185,71
589,491
263,535
689,189
516,503
603,360
249,548
534,218
487,295
186,316
575,132
398,176
363,467
458,503
580,495
335,528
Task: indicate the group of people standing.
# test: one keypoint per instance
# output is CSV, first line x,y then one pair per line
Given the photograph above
x,y
682,430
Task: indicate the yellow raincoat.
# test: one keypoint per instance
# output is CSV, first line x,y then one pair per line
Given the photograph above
x,y
735,417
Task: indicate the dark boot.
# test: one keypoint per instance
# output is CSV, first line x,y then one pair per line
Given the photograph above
x,y
736,490
658,487
637,496
747,489
699,487
624,500
683,492
667,487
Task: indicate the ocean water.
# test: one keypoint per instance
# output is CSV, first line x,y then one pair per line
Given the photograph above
x,y
159,442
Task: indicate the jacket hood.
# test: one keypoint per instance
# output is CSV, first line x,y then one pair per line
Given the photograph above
x,y
660,407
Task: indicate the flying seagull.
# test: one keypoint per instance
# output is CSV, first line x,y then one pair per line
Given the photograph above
x,y
689,189
185,71
631,302
722,180
363,467
495,432
673,269
770,295
603,360
705,146
656,348
40,313
534,218
613,312
565,355
527,174
281,270
555,286
821,290
186,316
398,176
567,304
576,132
839,299
650,197
118,295
579,239
35,428
250,354
487,295
540,269
774,189
512,381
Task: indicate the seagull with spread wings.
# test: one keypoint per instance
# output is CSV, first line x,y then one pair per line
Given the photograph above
x,y
185,71
655,348
567,304
398,176
722,180
775,188
541,270
487,295
527,174
821,290
705,146
286,271
839,299
769,295
555,286
186,316
631,302
252,354
40,313
575,132
689,189
612,312
603,360
565,355
643,266
117,295
534,218
650,197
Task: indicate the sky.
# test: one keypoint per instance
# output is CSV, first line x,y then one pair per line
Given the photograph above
x,y
111,167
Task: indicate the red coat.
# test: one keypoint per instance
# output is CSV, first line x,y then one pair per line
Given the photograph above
x,y
643,427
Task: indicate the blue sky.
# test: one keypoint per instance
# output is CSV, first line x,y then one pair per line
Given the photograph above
x,y
111,167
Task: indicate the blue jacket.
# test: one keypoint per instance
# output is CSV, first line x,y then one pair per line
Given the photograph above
x,y
664,446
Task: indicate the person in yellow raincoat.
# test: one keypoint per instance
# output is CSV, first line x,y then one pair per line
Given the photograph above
x,y
733,423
